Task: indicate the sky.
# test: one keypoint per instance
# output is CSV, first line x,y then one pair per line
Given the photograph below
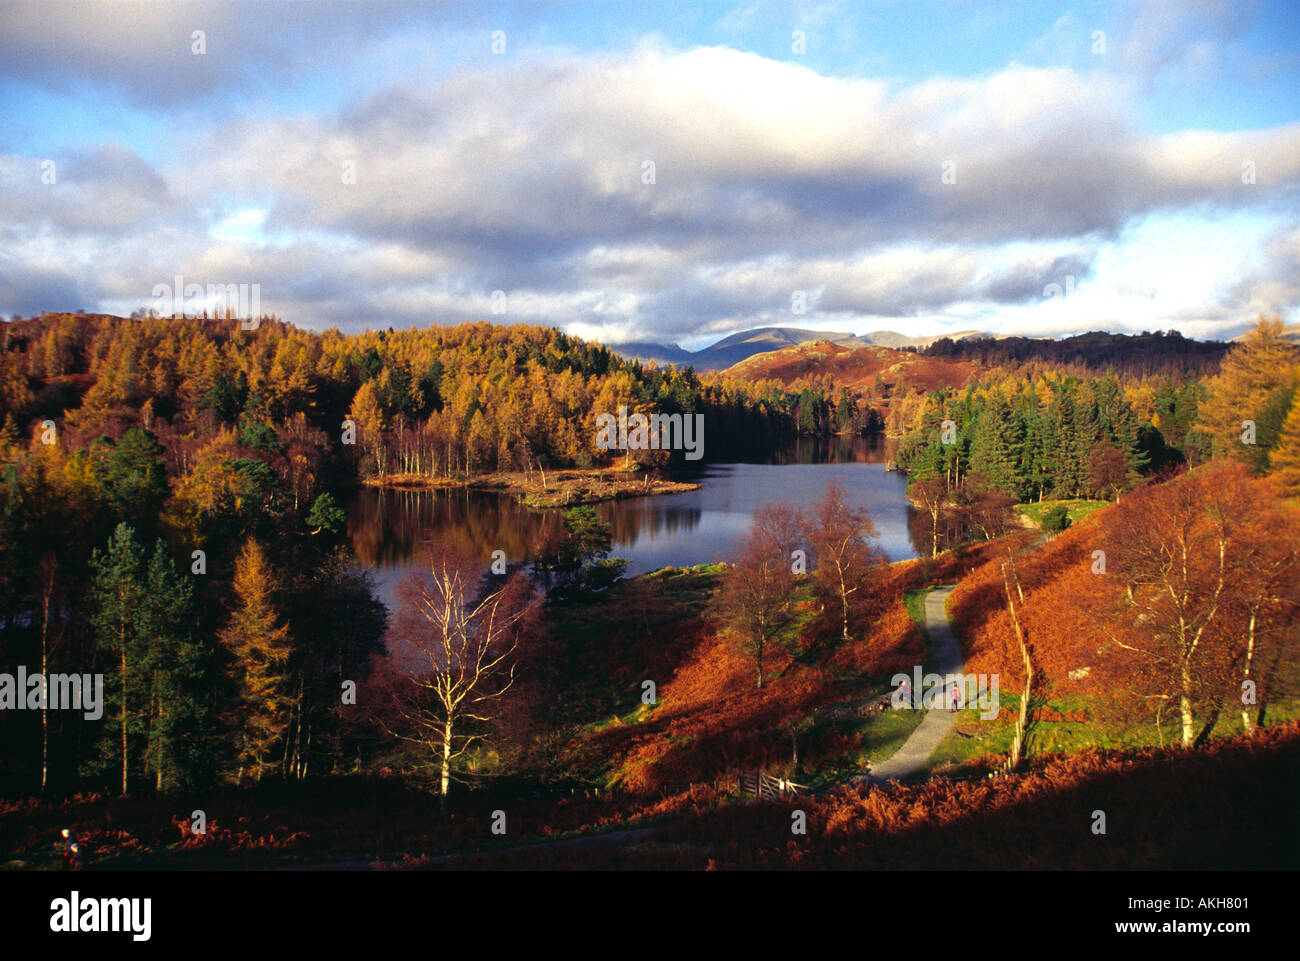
x,y
656,171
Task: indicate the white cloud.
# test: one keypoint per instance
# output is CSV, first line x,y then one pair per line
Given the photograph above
x,y
769,177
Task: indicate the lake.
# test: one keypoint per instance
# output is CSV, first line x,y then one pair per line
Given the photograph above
x,y
389,529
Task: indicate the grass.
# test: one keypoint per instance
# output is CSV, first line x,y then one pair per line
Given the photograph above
x,y
994,737
885,732
914,601
882,734
1076,509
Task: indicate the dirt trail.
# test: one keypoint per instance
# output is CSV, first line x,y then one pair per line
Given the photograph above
x,y
937,724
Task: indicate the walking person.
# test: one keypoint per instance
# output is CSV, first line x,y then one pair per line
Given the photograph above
x,y
956,698
71,850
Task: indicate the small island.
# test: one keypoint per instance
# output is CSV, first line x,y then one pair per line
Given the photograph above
x,y
540,488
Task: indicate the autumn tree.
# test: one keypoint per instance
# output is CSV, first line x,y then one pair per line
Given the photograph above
x,y
1264,363
50,526
368,418
1024,720
1264,608
1177,553
930,494
259,648
841,538
984,506
1108,470
753,599
1284,461
461,632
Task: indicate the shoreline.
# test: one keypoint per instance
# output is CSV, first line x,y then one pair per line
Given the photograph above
x,y
562,488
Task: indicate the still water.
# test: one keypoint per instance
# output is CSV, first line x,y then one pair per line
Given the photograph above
x,y
390,529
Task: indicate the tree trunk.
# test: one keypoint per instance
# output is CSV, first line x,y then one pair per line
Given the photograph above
x,y
124,749
844,607
45,681
1022,721
1185,704
1204,736
446,767
1247,722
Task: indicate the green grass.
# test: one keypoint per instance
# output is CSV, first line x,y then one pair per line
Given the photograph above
x,y
1076,509
1067,736
914,601
882,734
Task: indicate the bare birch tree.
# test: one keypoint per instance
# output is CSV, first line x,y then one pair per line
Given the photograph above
x,y
461,633
1019,745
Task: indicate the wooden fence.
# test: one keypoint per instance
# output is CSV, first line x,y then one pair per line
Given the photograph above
x,y
758,783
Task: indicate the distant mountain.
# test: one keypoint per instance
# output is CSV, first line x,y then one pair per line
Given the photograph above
x,y
1290,331
889,338
868,370
1166,353
761,340
644,350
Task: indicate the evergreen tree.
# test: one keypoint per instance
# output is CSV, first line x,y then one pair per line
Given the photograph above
x,y
1036,470
119,596
177,748
134,479
845,411
997,447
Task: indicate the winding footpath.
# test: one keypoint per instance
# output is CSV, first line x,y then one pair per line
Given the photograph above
x,y
936,724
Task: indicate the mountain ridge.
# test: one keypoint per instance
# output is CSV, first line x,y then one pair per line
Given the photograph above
x,y
744,344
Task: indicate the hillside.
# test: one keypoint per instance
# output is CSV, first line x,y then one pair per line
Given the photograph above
x,y
747,343
1290,332
877,372
1166,353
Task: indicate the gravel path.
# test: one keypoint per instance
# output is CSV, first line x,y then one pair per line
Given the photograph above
x,y
936,724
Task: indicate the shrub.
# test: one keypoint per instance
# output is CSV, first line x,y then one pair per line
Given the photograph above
x,y
1056,519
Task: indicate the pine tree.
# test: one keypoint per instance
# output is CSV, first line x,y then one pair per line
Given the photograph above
x,y
1036,464
176,742
845,412
997,448
134,479
259,648
119,596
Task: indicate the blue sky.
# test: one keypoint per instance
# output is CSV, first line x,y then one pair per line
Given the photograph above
x,y
916,166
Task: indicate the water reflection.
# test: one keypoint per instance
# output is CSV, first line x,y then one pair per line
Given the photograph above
x,y
389,529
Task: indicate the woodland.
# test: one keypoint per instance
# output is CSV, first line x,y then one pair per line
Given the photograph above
x,y
172,516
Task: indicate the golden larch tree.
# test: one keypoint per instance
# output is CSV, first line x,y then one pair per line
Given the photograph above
x,y
1261,364
259,646
1284,461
